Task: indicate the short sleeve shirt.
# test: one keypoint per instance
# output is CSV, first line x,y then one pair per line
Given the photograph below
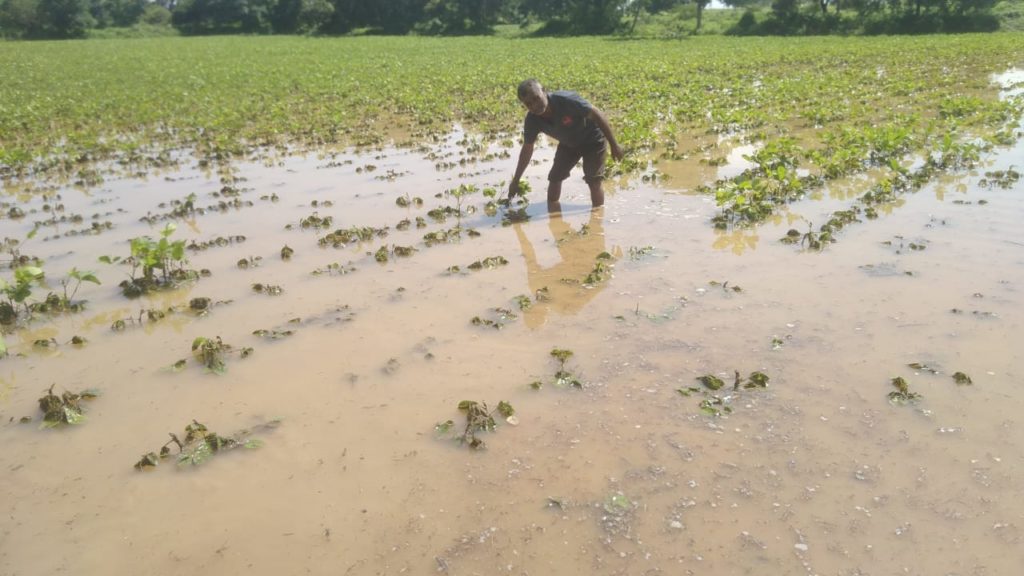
x,y
569,122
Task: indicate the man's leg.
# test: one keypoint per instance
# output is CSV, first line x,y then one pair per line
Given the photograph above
x,y
596,193
554,193
565,159
593,172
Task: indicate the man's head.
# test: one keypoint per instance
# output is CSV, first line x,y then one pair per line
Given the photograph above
x,y
532,95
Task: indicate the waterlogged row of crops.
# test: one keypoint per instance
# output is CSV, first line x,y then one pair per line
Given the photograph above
x,y
63,105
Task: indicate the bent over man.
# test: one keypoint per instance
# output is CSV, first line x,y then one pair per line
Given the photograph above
x,y
581,130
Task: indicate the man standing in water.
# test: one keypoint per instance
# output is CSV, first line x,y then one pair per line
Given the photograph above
x,y
582,131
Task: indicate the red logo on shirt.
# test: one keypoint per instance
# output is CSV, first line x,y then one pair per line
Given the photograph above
x,y
566,120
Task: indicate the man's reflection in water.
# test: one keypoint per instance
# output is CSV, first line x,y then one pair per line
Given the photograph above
x,y
560,288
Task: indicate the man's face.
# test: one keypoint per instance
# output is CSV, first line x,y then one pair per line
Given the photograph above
x,y
536,101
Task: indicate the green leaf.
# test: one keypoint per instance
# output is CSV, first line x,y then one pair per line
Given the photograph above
x,y
505,409
710,381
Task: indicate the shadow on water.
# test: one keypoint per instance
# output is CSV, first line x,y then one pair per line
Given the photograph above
x,y
560,287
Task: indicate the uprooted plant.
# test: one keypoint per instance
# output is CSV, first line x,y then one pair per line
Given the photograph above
x,y
478,419
200,444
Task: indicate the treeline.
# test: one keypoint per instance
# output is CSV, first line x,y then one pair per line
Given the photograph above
x,y
31,19
802,17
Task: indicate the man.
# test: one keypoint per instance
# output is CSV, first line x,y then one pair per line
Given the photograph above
x,y
582,131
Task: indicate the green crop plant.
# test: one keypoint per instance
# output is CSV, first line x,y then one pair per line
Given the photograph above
x,y
17,293
161,263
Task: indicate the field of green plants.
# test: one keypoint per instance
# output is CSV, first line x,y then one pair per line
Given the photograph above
x,y
63,103
302,243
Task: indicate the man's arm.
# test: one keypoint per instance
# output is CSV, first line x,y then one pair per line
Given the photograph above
x,y
606,129
525,154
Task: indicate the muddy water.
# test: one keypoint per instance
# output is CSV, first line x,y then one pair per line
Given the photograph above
x,y
818,473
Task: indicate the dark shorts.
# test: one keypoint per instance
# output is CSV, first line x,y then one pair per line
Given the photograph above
x,y
566,157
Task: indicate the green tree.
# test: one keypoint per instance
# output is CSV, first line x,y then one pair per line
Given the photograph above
x,y
222,16
64,18
18,18
460,16
576,16
155,15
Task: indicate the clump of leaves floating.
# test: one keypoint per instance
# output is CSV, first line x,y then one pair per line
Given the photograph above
x,y
962,379
334,269
200,444
345,236
210,352
272,334
268,289
716,405
499,317
637,253
478,419
902,393
63,409
489,263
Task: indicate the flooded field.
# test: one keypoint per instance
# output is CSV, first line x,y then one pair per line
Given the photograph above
x,y
617,459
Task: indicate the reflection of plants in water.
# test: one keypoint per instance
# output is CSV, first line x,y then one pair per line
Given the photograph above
x,y
478,419
737,240
1004,179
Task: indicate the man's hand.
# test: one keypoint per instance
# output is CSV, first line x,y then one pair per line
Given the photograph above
x,y
513,189
617,152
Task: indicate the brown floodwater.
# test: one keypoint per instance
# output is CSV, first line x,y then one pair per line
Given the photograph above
x,y
818,473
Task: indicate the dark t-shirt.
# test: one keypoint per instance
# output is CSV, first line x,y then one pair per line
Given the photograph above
x,y
568,123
